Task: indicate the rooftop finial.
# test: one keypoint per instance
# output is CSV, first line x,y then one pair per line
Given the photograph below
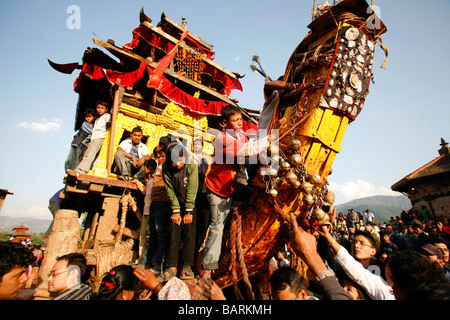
x,y
445,149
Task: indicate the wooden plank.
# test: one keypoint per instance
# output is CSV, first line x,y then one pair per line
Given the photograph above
x,y
108,220
96,188
94,226
106,181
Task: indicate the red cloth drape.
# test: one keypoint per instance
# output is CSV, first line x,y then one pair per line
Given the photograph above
x,y
160,82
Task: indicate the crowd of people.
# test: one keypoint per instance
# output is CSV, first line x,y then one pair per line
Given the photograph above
x,y
188,198
363,272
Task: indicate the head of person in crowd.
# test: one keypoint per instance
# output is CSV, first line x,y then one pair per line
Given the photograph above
x,y
102,107
363,247
150,166
162,146
177,156
369,226
287,284
407,270
120,284
433,253
417,226
351,231
68,271
384,237
441,244
198,145
353,289
14,262
434,291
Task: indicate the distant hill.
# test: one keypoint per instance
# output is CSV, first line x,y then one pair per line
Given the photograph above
x,y
383,207
35,225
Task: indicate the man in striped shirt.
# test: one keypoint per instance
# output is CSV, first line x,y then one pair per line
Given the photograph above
x,y
64,279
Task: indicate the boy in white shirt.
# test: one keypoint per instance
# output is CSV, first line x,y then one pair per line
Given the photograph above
x,y
356,266
101,126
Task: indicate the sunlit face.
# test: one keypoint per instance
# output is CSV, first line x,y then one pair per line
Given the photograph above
x,y
444,250
58,277
101,109
197,146
136,137
89,118
234,122
361,248
12,282
351,290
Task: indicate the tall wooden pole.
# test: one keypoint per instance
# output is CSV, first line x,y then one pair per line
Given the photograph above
x,y
314,10
117,102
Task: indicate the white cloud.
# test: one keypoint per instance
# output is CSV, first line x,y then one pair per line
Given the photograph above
x,y
352,190
44,126
35,211
237,58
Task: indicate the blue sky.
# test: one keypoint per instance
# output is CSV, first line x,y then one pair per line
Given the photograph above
x,y
399,129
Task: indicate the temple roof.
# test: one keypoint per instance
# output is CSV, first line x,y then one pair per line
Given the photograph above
x,y
438,166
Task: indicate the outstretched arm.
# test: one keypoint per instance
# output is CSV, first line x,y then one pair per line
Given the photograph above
x,y
304,245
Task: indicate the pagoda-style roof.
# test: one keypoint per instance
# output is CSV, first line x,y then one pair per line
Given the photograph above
x,y
22,228
190,78
20,232
436,167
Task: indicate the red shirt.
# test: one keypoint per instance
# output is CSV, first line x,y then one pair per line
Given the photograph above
x,y
220,179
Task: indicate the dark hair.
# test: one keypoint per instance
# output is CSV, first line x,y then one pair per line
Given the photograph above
x,y
362,295
228,111
13,255
434,240
287,276
136,129
103,103
426,291
164,142
410,269
90,111
75,259
118,279
366,235
175,150
150,163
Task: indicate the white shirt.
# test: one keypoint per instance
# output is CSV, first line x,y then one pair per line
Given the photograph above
x,y
127,144
374,285
99,131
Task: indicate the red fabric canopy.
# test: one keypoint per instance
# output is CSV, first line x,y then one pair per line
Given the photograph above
x,y
160,82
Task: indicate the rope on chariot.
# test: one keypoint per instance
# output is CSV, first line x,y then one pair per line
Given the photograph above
x,y
237,255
